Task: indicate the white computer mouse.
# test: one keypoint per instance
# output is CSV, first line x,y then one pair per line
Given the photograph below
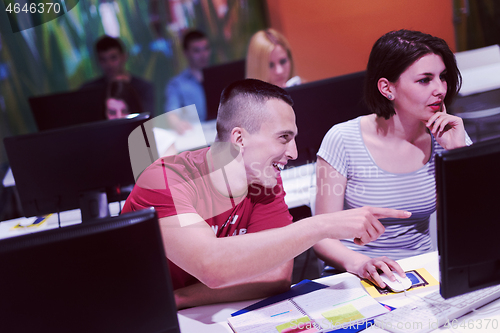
x,y
397,286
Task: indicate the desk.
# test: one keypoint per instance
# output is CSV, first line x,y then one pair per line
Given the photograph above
x,y
478,110
213,318
68,218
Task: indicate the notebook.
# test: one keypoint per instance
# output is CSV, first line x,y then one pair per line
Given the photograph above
x,y
343,305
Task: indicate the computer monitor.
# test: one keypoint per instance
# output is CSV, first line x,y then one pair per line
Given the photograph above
x,y
467,185
218,77
321,104
68,108
106,276
82,166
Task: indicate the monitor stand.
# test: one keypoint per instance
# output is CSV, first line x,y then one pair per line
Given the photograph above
x,y
94,205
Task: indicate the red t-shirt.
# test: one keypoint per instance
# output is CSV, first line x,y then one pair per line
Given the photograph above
x,y
180,184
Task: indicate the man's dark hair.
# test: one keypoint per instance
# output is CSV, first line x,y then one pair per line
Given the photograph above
x,y
393,53
242,105
106,43
192,36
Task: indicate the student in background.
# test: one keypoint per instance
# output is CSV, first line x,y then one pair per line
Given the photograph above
x,y
112,58
269,59
226,228
386,159
186,88
121,100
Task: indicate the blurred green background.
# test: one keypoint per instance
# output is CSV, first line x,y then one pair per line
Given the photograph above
x,y
58,55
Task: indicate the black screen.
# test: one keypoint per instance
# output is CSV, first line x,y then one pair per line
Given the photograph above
x,y
218,77
467,185
54,169
321,104
68,109
106,276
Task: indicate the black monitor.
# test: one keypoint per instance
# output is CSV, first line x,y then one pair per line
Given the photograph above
x,y
106,276
218,77
68,108
321,104
467,185
83,166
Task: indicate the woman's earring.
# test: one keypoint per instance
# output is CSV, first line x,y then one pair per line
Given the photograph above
x,y
390,97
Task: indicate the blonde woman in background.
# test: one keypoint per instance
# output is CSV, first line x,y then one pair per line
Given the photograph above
x,y
269,59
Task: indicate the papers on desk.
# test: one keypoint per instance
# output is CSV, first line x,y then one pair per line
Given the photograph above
x,y
199,136
345,304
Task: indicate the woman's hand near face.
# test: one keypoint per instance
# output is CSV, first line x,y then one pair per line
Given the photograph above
x,y
448,129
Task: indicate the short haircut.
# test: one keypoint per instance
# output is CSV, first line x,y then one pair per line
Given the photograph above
x,y
106,43
393,53
259,50
192,36
242,105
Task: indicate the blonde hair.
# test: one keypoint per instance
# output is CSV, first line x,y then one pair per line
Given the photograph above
x,y
260,47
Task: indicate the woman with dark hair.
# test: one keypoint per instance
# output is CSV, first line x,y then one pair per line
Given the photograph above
x,y
121,100
386,159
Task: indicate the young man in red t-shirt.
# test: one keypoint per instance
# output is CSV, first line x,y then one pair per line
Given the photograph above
x,y
234,189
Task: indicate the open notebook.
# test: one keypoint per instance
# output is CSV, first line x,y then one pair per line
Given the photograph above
x,y
345,304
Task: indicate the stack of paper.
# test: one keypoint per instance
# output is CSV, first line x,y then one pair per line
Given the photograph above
x,y
480,69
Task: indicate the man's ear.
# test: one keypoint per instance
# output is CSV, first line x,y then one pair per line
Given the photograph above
x,y
386,88
238,137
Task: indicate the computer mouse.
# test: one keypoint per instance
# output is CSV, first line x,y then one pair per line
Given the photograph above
x,y
399,285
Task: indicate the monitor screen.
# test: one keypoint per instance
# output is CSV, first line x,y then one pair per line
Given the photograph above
x,y
321,104
68,108
218,77
467,185
106,276
73,167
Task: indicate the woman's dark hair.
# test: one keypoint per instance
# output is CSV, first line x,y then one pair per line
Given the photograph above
x,y
122,90
393,53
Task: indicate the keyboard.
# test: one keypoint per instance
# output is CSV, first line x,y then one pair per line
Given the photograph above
x,y
432,311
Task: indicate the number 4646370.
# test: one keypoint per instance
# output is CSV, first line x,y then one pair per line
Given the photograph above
x,y
47,7
473,324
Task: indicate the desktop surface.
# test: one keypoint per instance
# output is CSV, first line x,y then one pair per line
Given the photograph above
x,y
213,318
482,101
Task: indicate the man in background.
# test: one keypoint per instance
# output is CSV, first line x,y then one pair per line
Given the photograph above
x,y
186,88
112,59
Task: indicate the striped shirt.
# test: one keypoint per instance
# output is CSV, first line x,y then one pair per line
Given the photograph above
x,y
368,185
